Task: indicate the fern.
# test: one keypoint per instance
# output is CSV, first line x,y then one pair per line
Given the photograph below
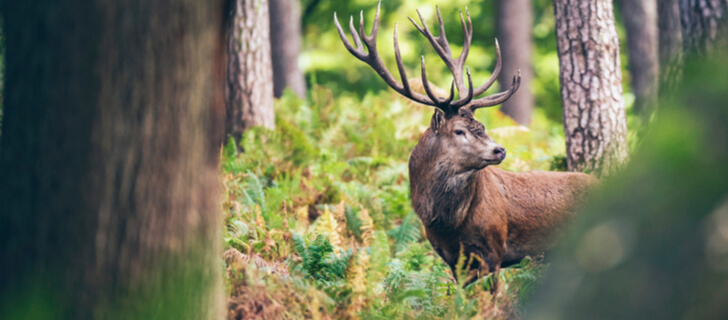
x,y
353,222
319,260
254,193
410,230
417,257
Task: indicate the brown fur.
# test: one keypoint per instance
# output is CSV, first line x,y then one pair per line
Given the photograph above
x,y
498,216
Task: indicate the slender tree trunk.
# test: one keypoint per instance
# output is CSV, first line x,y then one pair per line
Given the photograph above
x,y
108,164
591,86
249,94
704,26
670,44
285,38
640,21
515,25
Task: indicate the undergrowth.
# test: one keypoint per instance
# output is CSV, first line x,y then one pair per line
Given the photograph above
x,y
318,222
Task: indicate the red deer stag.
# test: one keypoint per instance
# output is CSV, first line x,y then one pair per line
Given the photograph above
x,y
495,216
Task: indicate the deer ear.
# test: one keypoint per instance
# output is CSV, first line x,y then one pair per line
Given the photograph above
x,y
438,119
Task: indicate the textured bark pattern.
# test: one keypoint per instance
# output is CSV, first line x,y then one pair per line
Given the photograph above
x,y
515,25
670,44
109,193
640,20
285,38
249,73
591,88
704,25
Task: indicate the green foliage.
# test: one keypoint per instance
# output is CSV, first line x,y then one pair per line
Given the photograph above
x,y
407,232
319,260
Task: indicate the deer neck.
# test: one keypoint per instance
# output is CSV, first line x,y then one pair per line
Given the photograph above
x,y
454,196
442,197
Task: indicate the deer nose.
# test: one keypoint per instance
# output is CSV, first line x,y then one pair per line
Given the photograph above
x,y
500,152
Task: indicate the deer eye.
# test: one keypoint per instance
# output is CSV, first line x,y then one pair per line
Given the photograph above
x,y
459,132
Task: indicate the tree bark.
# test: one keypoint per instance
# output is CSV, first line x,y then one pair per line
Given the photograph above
x,y
249,94
514,27
591,86
285,38
640,21
670,44
108,163
704,26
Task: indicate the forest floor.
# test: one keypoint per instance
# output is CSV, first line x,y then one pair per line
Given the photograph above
x,y
318,222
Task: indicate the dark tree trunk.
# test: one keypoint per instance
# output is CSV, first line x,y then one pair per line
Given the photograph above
x,y
109,200
285,39
249,94
704,26
670,44
591,86
515,25
640,21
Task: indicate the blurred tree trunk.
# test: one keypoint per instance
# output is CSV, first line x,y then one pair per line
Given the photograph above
x,y
515,25
704,27
591,86
640,21
285,38
670,44
249,94
108,166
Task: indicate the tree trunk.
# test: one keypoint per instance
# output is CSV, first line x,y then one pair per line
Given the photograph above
x,y
591,86
670,44
640,21
109,197
249,94
285,38
515,25
704,26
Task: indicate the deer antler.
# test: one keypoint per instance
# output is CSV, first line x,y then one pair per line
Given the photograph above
x,y
373,60
442,47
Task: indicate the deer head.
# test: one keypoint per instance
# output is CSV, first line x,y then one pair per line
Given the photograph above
x,y
458,137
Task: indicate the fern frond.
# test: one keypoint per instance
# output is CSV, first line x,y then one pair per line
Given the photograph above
x,y
367,227
408,231
327,224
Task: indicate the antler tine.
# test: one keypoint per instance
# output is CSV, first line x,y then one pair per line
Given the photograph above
x,y
498,98
457,104
400,64
467,36
442,38
428,90
375,26
371,57
496,71
361,26
354,35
